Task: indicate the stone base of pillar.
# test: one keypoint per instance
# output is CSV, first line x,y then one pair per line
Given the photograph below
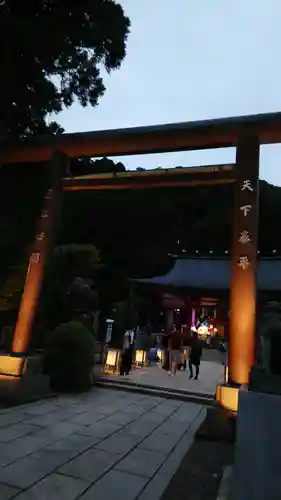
x,y
227,397
257,458
21,379
219,425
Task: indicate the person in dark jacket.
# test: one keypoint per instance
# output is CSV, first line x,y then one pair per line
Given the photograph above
x,y
126,360
195,356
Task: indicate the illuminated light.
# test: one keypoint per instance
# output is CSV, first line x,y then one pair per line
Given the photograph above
x,y
160,356
5,378
197,252
274,251
226,252
203,331
215,330
112,361
227,397
10,365
211,251
140,358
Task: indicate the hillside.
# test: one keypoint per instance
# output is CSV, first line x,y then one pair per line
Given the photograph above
x,y
134,230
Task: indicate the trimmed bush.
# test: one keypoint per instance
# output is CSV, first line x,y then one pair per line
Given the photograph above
x,y
70,357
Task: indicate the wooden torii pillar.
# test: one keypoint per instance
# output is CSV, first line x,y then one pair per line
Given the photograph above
x,y
242,334
42,245
244,261
12,367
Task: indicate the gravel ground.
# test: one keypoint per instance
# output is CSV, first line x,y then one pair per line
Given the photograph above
x,y
199,475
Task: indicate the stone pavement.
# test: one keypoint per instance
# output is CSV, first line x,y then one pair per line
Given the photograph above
x,y
103,445
211,374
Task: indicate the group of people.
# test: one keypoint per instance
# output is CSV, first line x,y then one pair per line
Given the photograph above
x,y
174,354
174,357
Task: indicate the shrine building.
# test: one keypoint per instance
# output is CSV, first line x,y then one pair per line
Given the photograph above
x,y
199,286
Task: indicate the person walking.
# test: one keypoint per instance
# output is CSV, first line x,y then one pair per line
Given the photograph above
x,y
223,352
174,344
165,342
195,356
126,360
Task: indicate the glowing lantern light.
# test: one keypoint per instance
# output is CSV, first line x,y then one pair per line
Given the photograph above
x,y
141,358
160,356
112,361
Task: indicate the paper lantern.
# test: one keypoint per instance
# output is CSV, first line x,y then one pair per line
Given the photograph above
x,y
140,358
160,356
112,361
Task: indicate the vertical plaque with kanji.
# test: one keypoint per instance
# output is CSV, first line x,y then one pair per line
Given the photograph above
x,y
244,260
245,246
246,238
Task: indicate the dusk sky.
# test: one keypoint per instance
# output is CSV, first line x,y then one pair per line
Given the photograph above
x,y
191,60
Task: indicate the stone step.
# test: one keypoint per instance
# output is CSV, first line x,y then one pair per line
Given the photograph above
x,y
128,381
180,395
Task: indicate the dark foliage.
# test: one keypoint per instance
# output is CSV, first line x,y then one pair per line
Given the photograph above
x,y
52,52
84,166
70,357
67,292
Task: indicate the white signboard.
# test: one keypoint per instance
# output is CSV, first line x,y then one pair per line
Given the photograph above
x,y
108,333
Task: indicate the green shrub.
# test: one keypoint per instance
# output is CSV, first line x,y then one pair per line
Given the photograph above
x,y
70,357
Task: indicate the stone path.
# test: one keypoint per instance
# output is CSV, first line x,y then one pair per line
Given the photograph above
x,y
211,374
104,445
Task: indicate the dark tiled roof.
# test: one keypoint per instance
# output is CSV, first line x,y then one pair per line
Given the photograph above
x,y
214,274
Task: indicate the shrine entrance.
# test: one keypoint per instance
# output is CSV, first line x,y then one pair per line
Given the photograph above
x,y
246,134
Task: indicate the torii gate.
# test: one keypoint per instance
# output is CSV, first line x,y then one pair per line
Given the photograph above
x,y
244,133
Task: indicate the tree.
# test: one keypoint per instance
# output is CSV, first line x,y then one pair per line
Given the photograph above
x,y
84,166
51,52
71,261
69,357
69,266
125,317
10,293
